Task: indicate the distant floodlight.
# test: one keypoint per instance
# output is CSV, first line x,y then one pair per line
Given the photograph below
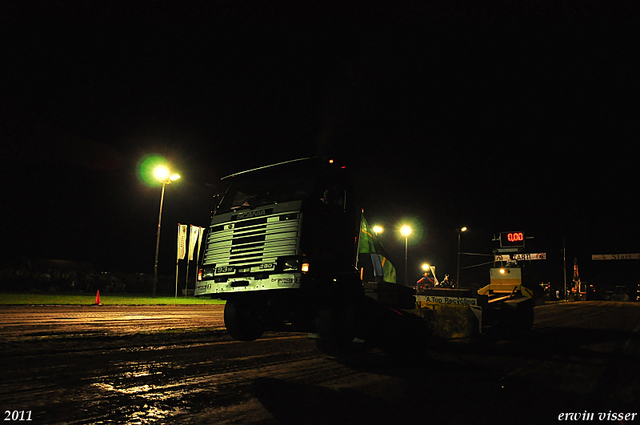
x,y
405,230
377,229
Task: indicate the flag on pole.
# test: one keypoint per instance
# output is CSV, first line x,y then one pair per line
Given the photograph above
x,y
194,236
182,241
369,244
200,236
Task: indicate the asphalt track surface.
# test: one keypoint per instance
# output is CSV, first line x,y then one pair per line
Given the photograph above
x,y
175,364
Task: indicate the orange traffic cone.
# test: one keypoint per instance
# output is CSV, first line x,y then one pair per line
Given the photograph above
x,y
98,298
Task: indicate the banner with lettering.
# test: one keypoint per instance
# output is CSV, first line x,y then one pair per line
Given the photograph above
x,y
182,241
195,234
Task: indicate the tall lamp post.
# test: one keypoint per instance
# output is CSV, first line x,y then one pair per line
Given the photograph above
x,y
165,177
425,268
405,231
463,229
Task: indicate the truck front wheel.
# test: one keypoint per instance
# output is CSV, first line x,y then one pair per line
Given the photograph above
x,y
240,321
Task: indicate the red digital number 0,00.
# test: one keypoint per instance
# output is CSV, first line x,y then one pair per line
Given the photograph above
x,y
515,237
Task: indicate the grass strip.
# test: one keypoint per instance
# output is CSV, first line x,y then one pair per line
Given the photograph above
x,y
105,299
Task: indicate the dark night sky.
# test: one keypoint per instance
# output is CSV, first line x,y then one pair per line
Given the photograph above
x,y
448,116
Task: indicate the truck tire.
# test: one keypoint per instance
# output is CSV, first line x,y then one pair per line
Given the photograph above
x,y
240,321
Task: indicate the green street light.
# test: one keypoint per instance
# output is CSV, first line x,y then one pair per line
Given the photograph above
x,y
405,231
165,177
161,172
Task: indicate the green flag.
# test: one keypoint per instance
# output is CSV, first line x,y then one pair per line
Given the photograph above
x,y
369,244
388,270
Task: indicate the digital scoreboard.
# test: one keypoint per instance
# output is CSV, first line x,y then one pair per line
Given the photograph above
x,y
511,239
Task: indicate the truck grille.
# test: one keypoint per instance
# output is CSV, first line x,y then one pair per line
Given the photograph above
x,y
253,241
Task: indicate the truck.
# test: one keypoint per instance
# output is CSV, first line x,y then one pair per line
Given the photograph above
x,y
282,250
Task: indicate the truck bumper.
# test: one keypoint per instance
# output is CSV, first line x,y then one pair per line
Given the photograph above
x,y
247,284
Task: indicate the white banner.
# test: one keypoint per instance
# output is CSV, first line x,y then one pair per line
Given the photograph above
x,y
447,300
521,257
195,233
615,256
199,243
527,257
182,241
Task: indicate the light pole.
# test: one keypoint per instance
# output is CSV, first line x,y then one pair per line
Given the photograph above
x,y
405,231
425,268
463,229
165,177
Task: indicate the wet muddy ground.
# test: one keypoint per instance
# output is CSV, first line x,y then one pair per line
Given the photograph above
x,y
32,322
580,357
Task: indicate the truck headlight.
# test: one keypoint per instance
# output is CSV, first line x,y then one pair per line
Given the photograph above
x,y
291,264
205,273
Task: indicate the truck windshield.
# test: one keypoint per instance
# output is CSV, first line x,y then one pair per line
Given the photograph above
x,y
267,186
